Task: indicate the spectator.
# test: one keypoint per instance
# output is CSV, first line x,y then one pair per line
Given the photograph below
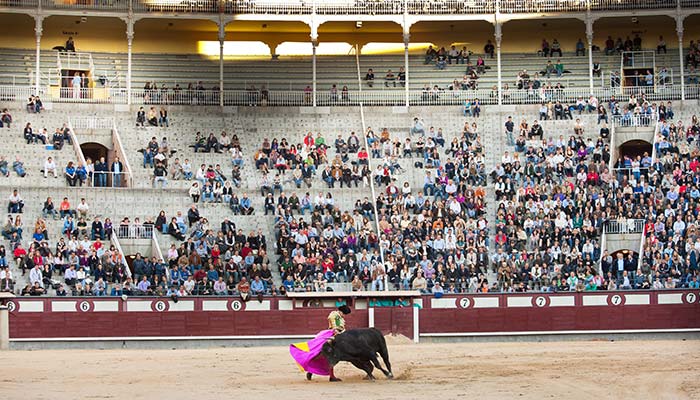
x,y
50,167
18,167
369,77
16,204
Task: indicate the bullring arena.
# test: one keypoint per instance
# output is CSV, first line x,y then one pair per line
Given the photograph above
x,y
215,198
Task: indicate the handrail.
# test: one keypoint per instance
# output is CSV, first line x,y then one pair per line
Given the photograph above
x,y
287,98
118,246
613,148
603,240
371,170
119,149
354,7
76,145
155,246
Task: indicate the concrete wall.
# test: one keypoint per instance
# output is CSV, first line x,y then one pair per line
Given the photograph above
x,y
627,241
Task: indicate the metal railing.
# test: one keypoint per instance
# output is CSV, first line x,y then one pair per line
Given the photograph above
x,y
134,231
92,123
351,7
119,152
390,97
631,120
622,226
112,180
115,241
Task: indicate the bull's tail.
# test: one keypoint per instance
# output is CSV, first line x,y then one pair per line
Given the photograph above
x,y
384,353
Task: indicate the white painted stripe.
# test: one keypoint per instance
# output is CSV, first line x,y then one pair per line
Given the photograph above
x,y
182,305
636,299
215,305
519,301
293,337
485,302
138,306
31,306
535,333
63,306
416,325
155,338
562,301
286,305
670,298
595,300
443,303
106,306
255,305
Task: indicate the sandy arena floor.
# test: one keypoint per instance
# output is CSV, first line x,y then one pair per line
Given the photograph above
x,y
565,370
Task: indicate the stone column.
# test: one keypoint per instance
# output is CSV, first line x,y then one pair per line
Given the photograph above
x,y
679,31
222,40
499,35
129,42
589,37
38,29
406,42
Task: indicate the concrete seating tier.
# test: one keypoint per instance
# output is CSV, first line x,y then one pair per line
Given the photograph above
x,y
294,73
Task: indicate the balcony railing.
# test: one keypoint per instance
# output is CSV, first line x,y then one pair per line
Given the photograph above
x,y
350,7
351,98
622,226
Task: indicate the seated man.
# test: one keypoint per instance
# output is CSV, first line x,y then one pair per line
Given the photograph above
x,y
50,167
18,166
58,139
257,286
16,204
430,55
402,77
580,48
369,77
389,78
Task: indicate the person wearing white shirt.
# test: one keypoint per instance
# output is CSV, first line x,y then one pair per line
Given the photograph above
x,y
83,208
200,176
50,167
506,159
35,275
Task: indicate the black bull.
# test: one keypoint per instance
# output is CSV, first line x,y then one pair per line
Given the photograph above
x,y
359,347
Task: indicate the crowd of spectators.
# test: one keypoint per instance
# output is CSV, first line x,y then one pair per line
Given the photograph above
x,y
668,191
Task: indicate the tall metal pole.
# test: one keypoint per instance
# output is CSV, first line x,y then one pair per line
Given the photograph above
x,y
38,29
589,37
499,36
679,31
406,41
129,42
222,40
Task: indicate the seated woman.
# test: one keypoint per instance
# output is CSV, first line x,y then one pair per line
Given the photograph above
x,y
152,117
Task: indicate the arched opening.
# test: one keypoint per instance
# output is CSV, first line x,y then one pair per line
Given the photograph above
x,y
625,253
634,149
94,151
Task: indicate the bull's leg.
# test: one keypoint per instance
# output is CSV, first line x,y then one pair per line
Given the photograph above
x,y
333,378
376,363
385,356
365,366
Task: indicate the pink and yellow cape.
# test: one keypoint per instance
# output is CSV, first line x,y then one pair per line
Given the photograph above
x,y
307,354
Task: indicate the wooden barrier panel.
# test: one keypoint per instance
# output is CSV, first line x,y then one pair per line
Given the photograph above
x,y
105,317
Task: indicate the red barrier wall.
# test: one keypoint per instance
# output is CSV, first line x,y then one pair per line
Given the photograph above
x,y
147,317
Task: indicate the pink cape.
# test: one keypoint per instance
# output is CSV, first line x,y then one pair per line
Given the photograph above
x,y
307,354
